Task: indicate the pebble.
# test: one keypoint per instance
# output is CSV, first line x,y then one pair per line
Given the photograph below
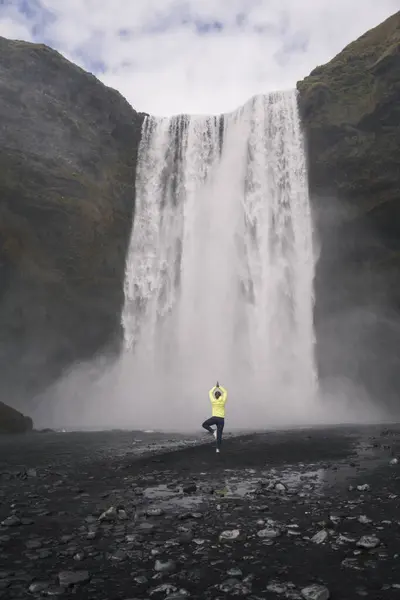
x,y
315,592
320,537
168,566
368,541
68,578
229,535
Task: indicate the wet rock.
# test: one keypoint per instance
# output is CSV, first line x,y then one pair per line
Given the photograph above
x,y
190,488
168,566
280,487
364,519
110,514
233,587
268,533
229,535
38,587
315,592
364,487
368,542
320,537
69,578
55,591
155,512
11,521
351,563
164,588
235,572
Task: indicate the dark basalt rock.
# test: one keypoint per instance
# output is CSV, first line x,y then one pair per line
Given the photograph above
x,y
68,148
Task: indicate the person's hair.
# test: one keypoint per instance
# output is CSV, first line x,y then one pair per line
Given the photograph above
x,y
218,394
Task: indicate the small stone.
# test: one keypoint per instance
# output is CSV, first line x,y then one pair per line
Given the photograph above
x,y
320,537
351,563
280,487
164,588
122,516
167,566
11,521
229,535
154,512
68,578
368,542
394,461
109,515
31,473
364,487
235,588
235,572
364,519
55,590
38,586
315,592
190,488
268,533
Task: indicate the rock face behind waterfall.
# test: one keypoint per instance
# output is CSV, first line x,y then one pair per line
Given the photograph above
x,y
68,149
12,421
351,111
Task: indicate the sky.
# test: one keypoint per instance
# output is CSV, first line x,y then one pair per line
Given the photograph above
x,y
194,56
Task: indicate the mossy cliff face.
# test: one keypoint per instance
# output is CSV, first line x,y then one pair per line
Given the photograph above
x,y
351,113
68,149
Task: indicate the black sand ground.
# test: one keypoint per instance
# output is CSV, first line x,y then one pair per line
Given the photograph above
x,y
170,499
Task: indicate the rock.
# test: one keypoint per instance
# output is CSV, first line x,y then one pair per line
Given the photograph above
x,y
268,533
229,535
320,537
280,487
164,588
110,514
315,592
38,586
368,541
11,420
394,461
364,487
364,519
167,566
69,578
191,488
11,521
350,112
233,587
67,186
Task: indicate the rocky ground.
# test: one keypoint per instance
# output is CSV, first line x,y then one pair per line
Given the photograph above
x,y
310,514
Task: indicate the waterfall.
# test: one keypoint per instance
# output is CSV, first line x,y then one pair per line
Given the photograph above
x,y
219,273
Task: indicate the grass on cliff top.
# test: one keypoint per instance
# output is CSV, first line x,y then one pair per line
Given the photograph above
x,y
348,79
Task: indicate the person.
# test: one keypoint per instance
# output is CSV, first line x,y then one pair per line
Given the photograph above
x,y
218,396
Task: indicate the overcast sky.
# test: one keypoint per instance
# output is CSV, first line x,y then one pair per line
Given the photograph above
x,y
195,56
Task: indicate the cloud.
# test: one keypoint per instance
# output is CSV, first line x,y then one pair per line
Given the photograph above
x,y
195,56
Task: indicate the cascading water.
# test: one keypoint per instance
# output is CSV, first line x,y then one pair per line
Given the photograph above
x,y
219,274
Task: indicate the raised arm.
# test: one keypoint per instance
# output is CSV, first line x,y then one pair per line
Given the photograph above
x,y
211,394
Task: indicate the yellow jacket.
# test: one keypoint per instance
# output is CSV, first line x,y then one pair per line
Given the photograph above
x,y
218,404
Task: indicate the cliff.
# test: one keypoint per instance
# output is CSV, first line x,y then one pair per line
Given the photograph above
x,y
351,113
68,149
12,421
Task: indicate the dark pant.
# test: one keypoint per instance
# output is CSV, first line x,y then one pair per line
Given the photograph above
x,y
219,422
